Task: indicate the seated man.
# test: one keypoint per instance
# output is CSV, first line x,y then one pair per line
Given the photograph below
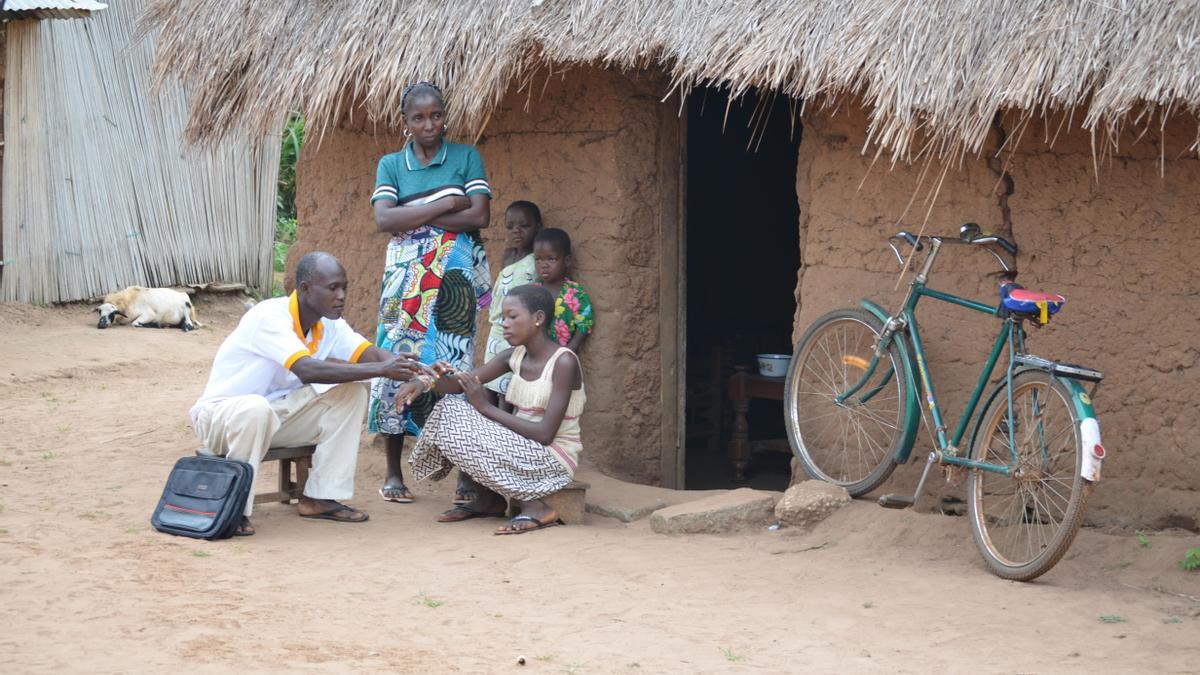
x,y
290,374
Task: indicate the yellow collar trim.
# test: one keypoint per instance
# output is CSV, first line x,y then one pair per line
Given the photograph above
x,y
318,329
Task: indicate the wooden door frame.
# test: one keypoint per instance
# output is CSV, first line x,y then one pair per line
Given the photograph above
x,y
672,316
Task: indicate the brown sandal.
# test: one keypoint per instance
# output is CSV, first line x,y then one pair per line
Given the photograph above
x,y
331,514
461,512
537,524
244,528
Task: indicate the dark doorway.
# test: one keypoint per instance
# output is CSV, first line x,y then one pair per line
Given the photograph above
x,y
743,252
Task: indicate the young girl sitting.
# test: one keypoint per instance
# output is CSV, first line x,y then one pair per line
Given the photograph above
x,y
522,221
572,321
524,455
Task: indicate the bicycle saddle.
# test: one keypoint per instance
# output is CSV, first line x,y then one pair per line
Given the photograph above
x,y
1041,306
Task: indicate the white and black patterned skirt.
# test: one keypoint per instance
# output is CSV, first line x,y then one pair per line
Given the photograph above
x,y
498,458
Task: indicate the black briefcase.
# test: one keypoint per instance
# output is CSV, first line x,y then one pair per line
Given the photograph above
x,y
204,498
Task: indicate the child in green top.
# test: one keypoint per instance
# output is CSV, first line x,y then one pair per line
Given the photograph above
x,y
573,319
522,222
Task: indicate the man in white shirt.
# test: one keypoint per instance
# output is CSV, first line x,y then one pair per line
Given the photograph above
x,y
291,374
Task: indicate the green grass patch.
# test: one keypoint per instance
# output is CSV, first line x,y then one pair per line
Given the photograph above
x,y
1191,560
731,655
423,599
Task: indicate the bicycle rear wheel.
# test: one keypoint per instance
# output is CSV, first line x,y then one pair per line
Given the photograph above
x,y
851,444
1024,523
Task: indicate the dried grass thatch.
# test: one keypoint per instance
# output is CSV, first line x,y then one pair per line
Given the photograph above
x,y
933,73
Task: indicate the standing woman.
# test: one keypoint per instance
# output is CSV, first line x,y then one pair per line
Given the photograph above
x,y
433,198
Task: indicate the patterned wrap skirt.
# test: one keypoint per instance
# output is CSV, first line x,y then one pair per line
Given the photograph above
x,y
500,459
434,284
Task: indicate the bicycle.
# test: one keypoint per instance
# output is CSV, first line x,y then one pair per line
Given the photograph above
x,y
853,404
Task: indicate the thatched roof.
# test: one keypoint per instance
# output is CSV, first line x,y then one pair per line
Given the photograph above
x,y
933,73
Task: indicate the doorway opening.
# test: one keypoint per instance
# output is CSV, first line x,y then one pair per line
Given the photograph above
x,y
743,253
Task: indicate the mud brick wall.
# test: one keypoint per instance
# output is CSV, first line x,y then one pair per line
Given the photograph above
x,y
1122,246
584,149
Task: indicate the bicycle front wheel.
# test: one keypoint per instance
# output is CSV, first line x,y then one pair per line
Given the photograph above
x,y
1025,522
852,443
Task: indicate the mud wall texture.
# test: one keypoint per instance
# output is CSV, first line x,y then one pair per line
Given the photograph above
x,y
584,148
1121,244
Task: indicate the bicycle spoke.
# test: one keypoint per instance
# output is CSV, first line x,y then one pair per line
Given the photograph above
x,y
844,442
1024,516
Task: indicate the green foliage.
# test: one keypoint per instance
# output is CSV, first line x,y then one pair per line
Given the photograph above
x,y
1143,540
285,236
1112,618
1191,559
285,200
289,154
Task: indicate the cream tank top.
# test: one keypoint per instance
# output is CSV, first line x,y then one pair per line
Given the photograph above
x,y
530,397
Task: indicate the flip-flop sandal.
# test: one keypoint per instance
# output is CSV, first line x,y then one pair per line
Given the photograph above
x,y
399,500
329,515
465,497
467,513
537,524
240,531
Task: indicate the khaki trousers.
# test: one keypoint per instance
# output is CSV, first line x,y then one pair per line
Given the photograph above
x,y
245,427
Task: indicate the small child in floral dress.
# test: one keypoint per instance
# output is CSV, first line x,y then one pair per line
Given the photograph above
x,y
573,320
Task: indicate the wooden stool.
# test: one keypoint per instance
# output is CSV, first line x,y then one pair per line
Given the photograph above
x,y
289,489
301,456
569,503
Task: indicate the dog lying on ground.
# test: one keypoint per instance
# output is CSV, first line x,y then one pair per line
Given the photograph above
x,y
148,308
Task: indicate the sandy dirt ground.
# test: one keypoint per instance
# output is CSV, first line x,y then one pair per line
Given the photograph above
x,y
91,422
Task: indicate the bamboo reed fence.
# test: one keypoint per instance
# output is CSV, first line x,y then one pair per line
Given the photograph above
x,y
98,190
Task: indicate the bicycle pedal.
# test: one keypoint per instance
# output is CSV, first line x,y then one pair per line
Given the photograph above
x,y
891,501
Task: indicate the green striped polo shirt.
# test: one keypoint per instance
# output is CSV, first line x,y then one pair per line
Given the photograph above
x,y
457,169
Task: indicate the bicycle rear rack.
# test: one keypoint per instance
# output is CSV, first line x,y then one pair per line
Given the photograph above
x,y
1064,369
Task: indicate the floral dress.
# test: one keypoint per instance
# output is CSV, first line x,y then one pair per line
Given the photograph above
x,y
572,312
434,281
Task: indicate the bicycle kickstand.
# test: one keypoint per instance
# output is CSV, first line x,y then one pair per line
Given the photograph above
x,y
894,501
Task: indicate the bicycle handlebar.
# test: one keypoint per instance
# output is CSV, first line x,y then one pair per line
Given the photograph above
x,y
968,233
908,237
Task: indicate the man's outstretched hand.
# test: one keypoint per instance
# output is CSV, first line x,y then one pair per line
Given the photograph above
x,y
403,368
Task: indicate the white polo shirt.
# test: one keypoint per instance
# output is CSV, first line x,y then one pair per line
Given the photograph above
x,y
258,355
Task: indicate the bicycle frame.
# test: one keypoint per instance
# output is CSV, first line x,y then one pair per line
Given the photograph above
x,y
947,445
904,324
